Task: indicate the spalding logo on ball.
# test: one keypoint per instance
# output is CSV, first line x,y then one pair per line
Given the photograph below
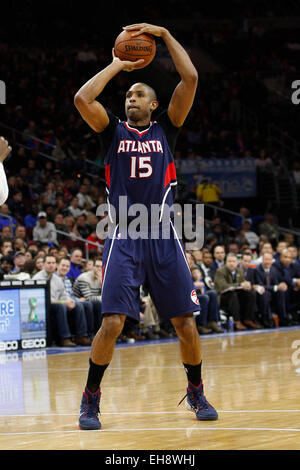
x,y
135,48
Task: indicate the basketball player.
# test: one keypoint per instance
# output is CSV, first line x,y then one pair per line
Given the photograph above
x,y
139,164
5,150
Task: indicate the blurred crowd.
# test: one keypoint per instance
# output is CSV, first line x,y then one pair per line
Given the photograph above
x,y
246,270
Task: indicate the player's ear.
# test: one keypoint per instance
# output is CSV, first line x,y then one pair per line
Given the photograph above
x,y
154,105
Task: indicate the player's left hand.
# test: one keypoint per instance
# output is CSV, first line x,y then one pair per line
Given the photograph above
x,y
141,28
5,149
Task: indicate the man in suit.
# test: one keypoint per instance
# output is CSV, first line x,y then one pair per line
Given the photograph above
x,y
290,275
236,294
219,257
205,267
273,291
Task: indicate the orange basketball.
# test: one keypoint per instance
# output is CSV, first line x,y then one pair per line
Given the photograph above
x,y
135,48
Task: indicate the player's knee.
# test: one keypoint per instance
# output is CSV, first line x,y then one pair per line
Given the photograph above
x,y
113,324
184,325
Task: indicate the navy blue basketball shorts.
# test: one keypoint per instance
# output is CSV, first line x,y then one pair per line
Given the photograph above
x,y
158,264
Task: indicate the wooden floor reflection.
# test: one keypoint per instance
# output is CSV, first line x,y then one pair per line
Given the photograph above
x,y
252,380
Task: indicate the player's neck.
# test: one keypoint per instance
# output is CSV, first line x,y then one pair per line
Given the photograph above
x,y
139,123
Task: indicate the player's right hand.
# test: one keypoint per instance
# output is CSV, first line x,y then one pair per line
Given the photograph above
x,y
5,149
127,65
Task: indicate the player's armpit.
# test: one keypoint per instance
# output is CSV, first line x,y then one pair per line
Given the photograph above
x,y
182,101
93,113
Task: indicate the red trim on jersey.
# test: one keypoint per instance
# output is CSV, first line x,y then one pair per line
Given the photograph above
x,y
107,175
135,130
170,173
103,268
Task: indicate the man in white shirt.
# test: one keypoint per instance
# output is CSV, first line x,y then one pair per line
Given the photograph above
x,y
44,231
84,200
5,150
63,307
251,237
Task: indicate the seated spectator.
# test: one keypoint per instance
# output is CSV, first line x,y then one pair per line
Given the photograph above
x,y
69,221
62,306
235,293
190,260
219,257
233,247
62,252
30,220
293,249
273,293
63,268
19,245
251,237
207,320
151,328
29,255
281,245
238,219
76,264
19,261
88,286
94,239
44,231
88,265
84,200
20,232
82,227
39,263
6,218
16,206
269,228
74,209
206,271
61,226
6,247
289,238
290,276
244,264
25,273
265,248
7,264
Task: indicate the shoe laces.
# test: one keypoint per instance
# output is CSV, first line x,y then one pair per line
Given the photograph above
x,y
197,397
92,404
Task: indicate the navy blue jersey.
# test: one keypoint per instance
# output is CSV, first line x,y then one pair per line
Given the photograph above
x,y
139,162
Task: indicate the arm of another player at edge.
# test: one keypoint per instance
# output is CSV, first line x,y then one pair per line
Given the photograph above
x,y
184,94
85,99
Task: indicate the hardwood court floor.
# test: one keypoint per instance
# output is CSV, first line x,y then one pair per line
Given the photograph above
x,y
250,379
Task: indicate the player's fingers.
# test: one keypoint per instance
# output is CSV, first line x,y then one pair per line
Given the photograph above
x,y
113,52
138,62
134,26
139,32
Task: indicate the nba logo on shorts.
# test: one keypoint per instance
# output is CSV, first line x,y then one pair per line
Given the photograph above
x,y
194,297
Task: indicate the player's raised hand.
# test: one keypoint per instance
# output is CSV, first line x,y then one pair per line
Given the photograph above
x,y
141,28
127,65
5,149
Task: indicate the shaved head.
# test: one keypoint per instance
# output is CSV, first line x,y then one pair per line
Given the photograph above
x,y
151,91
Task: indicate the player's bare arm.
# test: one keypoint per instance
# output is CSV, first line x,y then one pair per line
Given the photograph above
x,y
5,149
85,99
183,96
